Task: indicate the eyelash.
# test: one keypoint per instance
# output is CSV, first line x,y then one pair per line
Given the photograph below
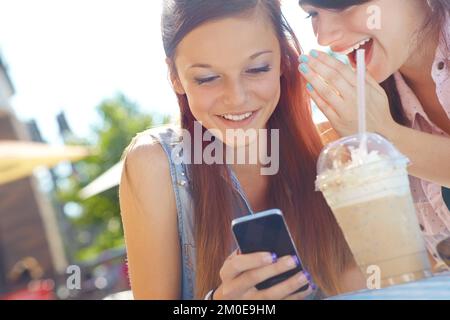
x,y
205,80
252,71
314,14
311,15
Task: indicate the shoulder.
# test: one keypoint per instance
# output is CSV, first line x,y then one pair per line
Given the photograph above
x,y
327,132
146,171
146,154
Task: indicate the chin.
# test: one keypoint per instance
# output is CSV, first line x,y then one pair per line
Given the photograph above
x,y
238,143
379,69
379,75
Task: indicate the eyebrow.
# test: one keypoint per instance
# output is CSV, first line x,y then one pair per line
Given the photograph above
x,y
252,57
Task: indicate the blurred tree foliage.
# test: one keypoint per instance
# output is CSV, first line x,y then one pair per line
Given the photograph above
x,y
97,226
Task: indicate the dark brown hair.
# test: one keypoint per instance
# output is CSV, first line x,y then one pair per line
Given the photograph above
x,y
318,237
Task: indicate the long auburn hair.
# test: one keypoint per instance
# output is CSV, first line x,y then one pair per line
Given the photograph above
x,y
435,21
320,242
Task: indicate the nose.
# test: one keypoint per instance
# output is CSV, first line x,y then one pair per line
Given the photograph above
x,y
235,94
328,31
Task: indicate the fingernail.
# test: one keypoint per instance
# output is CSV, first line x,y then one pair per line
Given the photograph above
x,y
310,281
274,257
304,58
309,87
296,260
270,258
308,276
303,68
314,53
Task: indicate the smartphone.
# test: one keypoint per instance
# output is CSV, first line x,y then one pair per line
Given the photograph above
x,y
266,231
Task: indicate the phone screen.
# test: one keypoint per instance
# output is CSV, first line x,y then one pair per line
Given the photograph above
x,y
268,232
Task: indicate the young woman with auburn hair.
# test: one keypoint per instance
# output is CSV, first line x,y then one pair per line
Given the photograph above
x,y
233,64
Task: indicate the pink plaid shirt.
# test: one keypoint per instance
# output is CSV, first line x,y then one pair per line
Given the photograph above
x,y
434,216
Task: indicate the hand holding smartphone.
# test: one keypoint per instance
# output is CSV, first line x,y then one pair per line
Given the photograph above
x,y
267,232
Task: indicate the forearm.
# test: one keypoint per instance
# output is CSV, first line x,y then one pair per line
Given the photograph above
x,y
429,154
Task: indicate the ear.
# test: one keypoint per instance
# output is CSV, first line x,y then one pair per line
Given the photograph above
x,y
174,79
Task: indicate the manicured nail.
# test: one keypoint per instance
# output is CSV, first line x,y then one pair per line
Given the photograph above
x,y
308,276
314,53
310,281
296,260
309,87
303,58
274,257
270,258
303,68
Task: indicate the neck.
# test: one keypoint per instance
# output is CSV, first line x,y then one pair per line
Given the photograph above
x,y
254,183
252,164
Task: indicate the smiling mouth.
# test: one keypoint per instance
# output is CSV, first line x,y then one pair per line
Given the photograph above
x,y
238,120
366,44
355,47
238,117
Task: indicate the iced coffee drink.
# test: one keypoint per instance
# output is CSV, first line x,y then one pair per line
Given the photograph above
x,y
367,187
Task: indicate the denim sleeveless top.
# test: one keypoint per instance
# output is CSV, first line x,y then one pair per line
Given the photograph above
x,y
169,138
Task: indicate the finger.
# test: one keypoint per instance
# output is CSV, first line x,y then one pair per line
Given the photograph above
x,y
251,278
250,294
285,288
344,70
237,264
324,90
301,295
327,110
331,76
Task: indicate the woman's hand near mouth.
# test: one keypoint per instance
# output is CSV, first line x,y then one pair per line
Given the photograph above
x,y
332,86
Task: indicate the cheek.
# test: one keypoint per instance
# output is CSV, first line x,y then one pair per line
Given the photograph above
x,y
314,27
201,100
267,90
358,22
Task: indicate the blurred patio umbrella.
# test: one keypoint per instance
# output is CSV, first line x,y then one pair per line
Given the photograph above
x,y
106,181
18,159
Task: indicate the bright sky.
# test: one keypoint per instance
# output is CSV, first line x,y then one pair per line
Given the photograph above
x,y
70,55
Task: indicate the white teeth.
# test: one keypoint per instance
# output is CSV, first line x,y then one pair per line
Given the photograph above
x,y
355,47
237,117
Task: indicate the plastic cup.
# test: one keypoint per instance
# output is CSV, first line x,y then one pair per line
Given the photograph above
x,y
369,194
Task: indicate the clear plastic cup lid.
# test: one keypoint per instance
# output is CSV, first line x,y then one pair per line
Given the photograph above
x,y
355,151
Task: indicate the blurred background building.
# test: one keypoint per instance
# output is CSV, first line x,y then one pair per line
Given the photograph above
x,y
28,221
